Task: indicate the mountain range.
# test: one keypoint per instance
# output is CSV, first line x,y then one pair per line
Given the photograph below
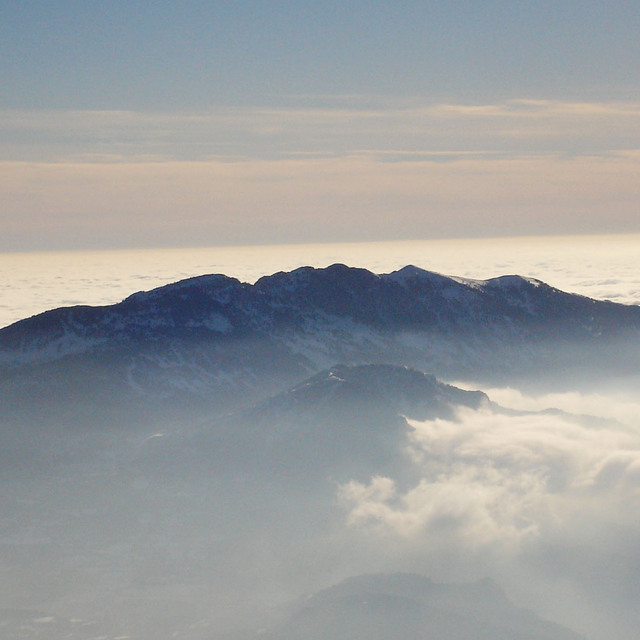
x,y
215,344
172,465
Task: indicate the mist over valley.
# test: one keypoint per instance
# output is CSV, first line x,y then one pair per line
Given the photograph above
x,y
313,456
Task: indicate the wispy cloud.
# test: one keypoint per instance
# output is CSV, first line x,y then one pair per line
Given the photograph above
x,y
343,171
526,108
516,126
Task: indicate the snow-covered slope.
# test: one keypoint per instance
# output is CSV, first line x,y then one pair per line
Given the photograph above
x,y
313,301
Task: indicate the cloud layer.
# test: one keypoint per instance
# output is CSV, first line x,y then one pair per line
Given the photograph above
x,y
346,171
602,267
66,205
333,126
546,503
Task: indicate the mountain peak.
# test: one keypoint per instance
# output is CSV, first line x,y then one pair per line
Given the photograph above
x,y
378,389
209,285
410,606
514,282
411,273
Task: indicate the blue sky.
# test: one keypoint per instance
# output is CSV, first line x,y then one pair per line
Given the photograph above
x,y
168,55
140,123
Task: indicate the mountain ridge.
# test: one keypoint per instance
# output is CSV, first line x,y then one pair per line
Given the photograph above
x,y
176,305
217,342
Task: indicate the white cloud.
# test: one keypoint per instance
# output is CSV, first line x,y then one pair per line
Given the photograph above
x,y
506,496
491,475
619,406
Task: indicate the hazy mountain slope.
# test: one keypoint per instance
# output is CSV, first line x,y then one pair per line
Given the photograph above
x,y
143,536
386,607
119,531
344,422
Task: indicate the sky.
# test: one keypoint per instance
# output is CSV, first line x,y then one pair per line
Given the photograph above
x,y
139,124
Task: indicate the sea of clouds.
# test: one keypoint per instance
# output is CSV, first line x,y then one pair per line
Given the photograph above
x,y
601,267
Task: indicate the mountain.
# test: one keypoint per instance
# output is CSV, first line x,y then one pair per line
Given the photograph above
x,y
210,344
344,422
409,606
141,536
371,389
